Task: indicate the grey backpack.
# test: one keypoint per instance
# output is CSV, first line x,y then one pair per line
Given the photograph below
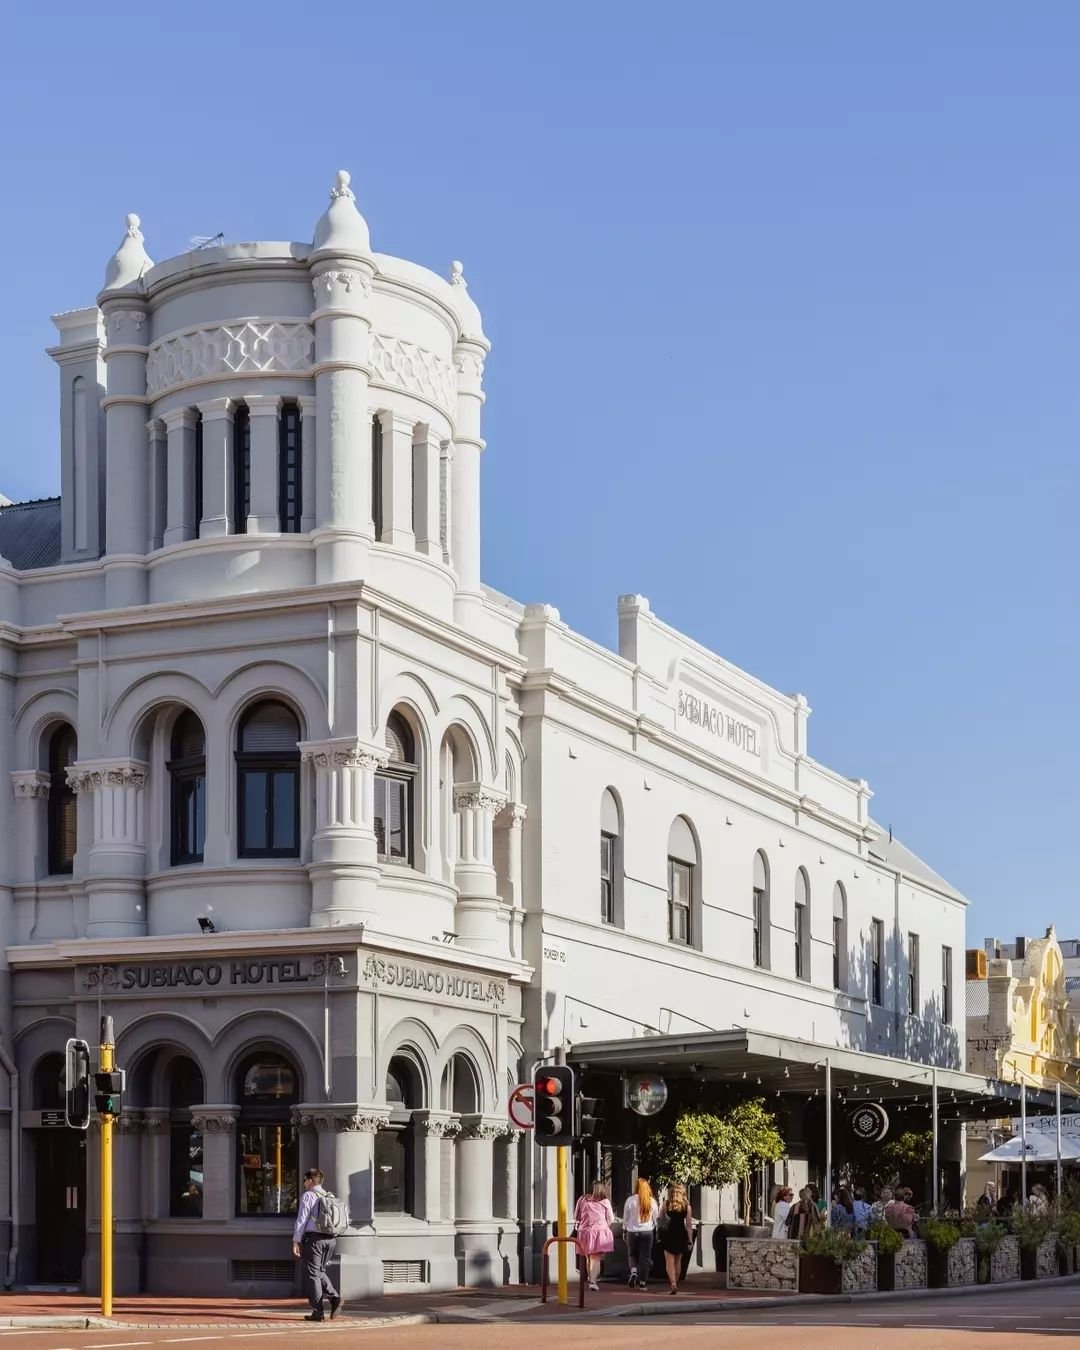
x,y
331,1215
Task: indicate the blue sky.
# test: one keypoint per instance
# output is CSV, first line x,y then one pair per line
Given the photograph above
x,y
785,303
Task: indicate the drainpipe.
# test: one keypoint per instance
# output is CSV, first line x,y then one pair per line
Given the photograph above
x,y
15,1147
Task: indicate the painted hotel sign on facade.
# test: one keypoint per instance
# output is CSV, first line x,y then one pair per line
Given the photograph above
x,y
718,725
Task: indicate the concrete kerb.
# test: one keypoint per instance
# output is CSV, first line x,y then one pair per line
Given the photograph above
x,y
112,1324
736,1306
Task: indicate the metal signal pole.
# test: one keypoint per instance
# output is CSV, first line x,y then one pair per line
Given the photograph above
x,y
106,1055
562,1154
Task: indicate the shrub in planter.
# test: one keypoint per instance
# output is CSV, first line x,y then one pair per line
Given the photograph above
x,y
1031,1230
889,1242
822,1258
988,1238
1068,1231
940,1236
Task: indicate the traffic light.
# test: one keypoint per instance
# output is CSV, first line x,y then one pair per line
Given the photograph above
x,y
109,1092
77,1084
590,1117
553,1106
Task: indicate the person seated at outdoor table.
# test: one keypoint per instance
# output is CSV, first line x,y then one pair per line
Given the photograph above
x,y
1039,1200
843,1211
899,1213
877,1209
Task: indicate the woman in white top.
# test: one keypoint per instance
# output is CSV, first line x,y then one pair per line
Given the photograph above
x,y
640,1214
781,1209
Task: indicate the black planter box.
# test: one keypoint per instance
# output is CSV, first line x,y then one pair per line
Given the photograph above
x,y
937,1268
820,1275
886,1272
1029,1263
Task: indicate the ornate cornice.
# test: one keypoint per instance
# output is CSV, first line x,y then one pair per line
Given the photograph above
x,y
482,1127
118,317
330,1120
476,797
107,773
344,753
435,1126
215,1121
30,783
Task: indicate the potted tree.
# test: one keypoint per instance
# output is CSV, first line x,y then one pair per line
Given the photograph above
x,y
942,1267
822,1258
1068,1231
988,1238
1032,1230
889,1242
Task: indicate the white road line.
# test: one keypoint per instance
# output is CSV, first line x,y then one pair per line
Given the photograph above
x,y
1069,1329
178,1340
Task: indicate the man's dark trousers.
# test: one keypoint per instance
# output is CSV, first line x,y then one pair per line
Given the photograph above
x,y
315,1252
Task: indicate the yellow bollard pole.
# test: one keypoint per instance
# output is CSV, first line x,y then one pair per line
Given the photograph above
x,y
562,1155
106,1065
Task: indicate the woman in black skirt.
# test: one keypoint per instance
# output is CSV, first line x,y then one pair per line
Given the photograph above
x,y
676,1231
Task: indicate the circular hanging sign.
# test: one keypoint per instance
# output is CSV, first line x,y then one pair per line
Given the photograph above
x,y
646,1094
870,1122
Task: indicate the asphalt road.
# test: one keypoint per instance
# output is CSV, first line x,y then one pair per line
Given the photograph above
x,y
1023,1318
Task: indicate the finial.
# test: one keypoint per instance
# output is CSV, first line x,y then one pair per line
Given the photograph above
x,y
130,261
471,324
341,187
457,274
341,228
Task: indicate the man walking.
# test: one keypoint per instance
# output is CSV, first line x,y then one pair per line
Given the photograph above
x,y
315,1249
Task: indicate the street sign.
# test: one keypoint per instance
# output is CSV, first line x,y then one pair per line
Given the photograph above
x,y
53,1120
520,1106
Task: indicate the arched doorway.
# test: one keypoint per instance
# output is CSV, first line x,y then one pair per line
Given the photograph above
x,y
59,1179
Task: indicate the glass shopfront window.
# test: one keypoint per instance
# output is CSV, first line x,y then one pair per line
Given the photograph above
x,y
267,1146
185,1141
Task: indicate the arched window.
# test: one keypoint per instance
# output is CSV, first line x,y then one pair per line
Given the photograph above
x,y
761,910
186,1180
266,1087
290,460
802,925
611,860
47,1086
394,1190
241,468
683,910
461,1086
268,782
63,751
377,473
187,789
394,794
839,936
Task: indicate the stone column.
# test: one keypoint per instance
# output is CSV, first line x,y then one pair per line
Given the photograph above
x,y
342,320
508,825
468,444
477,912
159,482
307,463
115,882
180,519
344,870
430,1129
127,497
507,1158
426,493
263,410
477,1230
217,426
397,505
156,1156
217,1122
30,836
346,1156
446,501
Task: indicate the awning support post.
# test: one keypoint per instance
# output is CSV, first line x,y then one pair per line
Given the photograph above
x,y
934,1129
1057,1131
1023,1141
828,1140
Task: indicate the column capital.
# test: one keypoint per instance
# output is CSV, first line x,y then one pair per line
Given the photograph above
x,y
156,429
30,783
477,797
436,1124
177,419
156,1119
263,405
344,1118
129,1122
216,1118
344,752
89,774
307,404
217,409
512,816
483,1127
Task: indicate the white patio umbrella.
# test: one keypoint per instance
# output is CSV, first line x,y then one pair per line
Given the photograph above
x,y
1038,1147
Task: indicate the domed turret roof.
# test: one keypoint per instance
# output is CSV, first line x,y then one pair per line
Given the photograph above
x,y
130,261
341,227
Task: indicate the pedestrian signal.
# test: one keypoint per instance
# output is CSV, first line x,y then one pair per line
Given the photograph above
x,y
109,1088
590,1121
553,1106
77,1084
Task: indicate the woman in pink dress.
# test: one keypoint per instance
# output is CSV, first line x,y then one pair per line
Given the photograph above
x,y
593,1217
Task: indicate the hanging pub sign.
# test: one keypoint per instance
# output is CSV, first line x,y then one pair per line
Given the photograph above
x,y
870,1122
646,1094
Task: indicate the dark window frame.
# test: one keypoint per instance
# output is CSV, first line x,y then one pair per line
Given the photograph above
x,y
913,974
675,864
609,843
256,1111
241,468
946,984
377,475
401,776
759,926
198,473
290,468
801,943
877,960
268,764
61,797
183,771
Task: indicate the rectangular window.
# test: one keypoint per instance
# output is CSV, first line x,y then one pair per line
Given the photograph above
x,y
837,940
269,813
189,818
268,1168
377,474
802,946
607,878
877,958
759,917
946,984
913,974
392,1171
241,469
680,889
392,818
185,1173
290,458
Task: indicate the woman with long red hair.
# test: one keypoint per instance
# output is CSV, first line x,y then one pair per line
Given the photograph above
x,y
640,1214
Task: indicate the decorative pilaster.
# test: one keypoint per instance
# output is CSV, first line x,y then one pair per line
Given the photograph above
x,y
431,1128
263,516
507,1158
118,852
469,353
180,522
508,830
307,463
157,461
127,497
475,1168
154,1163
347,1150
397,483
344,869
218,513
217,1122
30,840
476,914
426,493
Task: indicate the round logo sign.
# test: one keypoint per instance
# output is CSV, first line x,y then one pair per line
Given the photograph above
x,y
646,1094
870,1121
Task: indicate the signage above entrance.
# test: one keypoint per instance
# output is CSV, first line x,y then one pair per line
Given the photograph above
x,y
870,1122
461,986
203,975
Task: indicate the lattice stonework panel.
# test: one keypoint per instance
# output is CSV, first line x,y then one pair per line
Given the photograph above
x,y
404,365
251,347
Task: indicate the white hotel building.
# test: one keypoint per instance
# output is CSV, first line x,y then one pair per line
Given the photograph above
x,y
253,684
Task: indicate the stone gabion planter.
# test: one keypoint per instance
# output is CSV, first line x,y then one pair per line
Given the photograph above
x,y
910,1266
860,1275
1046,1258
1005,1261
955,1267
762,1263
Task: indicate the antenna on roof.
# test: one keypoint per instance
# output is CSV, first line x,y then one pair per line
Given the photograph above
x,y
890,834
198,241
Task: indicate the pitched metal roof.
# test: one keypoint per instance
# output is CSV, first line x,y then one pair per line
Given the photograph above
x,y
895,855
30,533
